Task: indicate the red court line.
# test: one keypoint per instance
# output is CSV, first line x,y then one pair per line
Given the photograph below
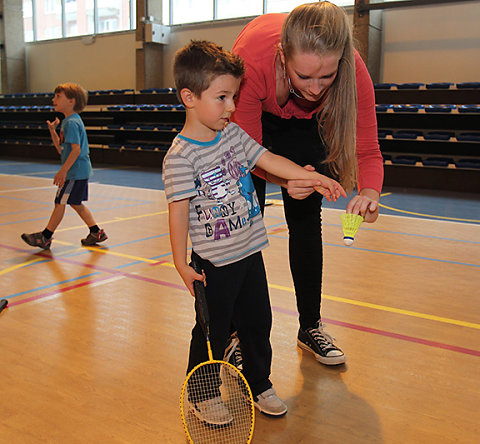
x,y
278,309
58,290
388,334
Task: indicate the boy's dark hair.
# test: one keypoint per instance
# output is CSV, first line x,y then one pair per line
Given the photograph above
x,y
74,91
200,62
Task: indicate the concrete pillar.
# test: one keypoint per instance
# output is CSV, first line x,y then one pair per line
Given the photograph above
x,y
149,56
12,50
368,34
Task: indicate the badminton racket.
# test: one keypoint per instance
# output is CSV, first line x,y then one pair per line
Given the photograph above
x,y
216,402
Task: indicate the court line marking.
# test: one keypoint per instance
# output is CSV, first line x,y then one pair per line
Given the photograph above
x,y
17,266
386,308
117,219
429,216
390,334
21,190
100,280
274,286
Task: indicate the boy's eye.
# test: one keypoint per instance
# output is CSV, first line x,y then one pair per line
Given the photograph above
x,y
221,98
302,77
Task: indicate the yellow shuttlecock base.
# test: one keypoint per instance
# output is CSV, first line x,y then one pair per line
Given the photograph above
x,y
351,223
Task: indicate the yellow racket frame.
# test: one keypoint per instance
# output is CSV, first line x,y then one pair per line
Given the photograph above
x,y
231,368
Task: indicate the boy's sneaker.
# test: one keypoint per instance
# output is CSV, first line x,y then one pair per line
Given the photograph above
x,y
37,240
269,403
233,353
321,344
212,411
94,238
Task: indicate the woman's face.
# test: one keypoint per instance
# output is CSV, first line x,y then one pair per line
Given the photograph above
x,y
311,75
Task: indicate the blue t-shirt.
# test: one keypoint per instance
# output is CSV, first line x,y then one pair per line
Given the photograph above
x,y
72,130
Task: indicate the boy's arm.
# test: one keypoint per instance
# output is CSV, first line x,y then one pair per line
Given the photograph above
x,y
52,126
60,177
178,217
286,169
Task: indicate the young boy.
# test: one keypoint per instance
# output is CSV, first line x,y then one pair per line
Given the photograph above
x,y
211,197
72,178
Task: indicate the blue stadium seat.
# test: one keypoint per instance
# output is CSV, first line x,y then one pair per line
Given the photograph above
x,y
407,108
403,134
468,163
383,108
409,85
384,85
439,85
439,108
469,137
406,160
438,135
468,109
468,85
437,161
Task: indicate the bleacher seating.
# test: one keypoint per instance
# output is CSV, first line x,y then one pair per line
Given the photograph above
x,y
429,134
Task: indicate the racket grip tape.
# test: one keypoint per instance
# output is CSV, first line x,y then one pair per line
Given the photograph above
x,y
200,296
3,304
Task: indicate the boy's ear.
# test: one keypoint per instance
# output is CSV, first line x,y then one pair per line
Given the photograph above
x,y
188,97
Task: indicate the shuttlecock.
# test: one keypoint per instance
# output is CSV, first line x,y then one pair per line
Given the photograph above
x,y
351,223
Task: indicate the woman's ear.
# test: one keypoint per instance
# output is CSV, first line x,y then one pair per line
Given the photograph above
x,y
188,97
281,53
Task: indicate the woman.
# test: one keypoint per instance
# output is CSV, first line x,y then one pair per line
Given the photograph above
x,y
307,95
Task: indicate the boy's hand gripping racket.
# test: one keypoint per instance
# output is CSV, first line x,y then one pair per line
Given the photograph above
x,y
216,402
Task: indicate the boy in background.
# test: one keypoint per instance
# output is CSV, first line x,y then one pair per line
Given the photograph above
x,y
72,178
211,197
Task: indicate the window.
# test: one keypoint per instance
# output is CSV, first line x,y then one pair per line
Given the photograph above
x,y
79,17
53,19
234,8
177,12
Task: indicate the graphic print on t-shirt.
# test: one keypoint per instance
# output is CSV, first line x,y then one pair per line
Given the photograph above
x,y
231,201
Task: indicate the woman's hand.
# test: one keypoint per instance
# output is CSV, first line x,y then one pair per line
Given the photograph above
x,y
365,204
301,188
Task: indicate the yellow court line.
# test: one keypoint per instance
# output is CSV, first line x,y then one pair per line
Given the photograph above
x,y
114,253
117,219
429,215
390,309
23,264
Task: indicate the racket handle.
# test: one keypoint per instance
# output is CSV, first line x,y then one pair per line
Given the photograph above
x,y
3,304
200,298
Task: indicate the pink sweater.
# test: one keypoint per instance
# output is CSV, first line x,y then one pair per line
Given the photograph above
x,y
257,45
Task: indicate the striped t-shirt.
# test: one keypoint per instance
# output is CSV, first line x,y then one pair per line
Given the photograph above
x,y
226,223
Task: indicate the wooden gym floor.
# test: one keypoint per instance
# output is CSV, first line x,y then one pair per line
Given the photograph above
x,y
94,341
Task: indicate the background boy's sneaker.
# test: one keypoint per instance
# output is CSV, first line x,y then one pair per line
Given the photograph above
x,y
233,353
212,411
321,344
94,238
37,240
269,403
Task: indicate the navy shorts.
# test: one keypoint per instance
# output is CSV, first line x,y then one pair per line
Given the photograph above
x,y
73,192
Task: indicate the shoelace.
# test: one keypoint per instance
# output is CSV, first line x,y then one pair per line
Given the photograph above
x,y
321,337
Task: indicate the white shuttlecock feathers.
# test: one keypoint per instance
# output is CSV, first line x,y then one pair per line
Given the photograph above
x,y
351,223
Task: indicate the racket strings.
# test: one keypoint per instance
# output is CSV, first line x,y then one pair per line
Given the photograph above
x,y
217,405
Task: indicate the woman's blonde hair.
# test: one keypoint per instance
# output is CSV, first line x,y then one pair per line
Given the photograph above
x,y
322,28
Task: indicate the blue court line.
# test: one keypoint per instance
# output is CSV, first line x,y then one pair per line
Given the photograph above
x,y
410,256
412,234
91,207
50,285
